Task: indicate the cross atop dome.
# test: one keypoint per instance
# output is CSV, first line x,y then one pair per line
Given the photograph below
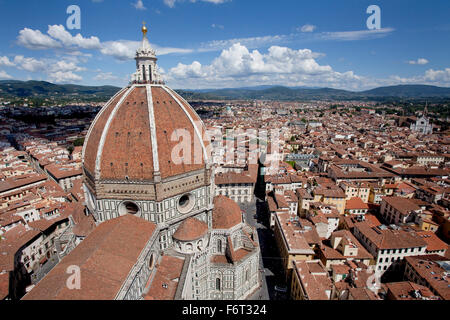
x,y
146,68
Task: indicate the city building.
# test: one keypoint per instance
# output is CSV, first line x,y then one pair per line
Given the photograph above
x,y
422,124
431,271
389,246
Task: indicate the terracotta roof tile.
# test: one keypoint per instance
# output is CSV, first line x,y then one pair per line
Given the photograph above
x,y
127,151
191,229
226,213
166,280
103,260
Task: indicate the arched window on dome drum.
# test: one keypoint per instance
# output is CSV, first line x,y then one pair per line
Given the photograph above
x,y
217,284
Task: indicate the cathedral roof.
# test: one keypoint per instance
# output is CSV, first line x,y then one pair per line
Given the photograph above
x,y
190,229
132,136
135,134
226,213
105,259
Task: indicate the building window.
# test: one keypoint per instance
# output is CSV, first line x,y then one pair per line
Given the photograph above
x,y
219,245
151,263
217,284
186,203
128,207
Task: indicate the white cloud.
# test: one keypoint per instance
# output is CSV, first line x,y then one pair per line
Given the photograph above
x,y
121,49
355,35
59,37
64,77
418,61
431,77
58,32
65,66
36,40
56,70
4,61
251,42
139,5
30,64
126,50
171,3
237,66
308,28
303,34
438,75
219,26
4,75
104,76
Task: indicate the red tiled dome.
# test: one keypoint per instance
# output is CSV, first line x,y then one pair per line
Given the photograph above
x,y
130,139
226,213
191,229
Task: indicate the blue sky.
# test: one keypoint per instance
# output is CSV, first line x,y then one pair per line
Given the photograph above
x,y
229,43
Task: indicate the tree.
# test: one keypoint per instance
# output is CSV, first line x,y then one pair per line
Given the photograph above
x,y
79,142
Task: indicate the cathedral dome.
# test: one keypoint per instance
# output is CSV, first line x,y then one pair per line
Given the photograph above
x,y
137,135
226,213
190,229
132,136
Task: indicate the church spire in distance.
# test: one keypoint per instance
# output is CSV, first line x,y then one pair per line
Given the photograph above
x,y
146,68
425,110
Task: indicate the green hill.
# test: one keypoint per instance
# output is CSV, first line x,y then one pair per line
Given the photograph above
x,y
29,89
43,89
285,93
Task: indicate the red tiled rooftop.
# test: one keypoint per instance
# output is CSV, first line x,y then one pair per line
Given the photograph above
x,y
166,280
104,262
128,145
191,229
226,213
355,203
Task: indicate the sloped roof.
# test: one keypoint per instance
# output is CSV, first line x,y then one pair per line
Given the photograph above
x,y
190,229
226,213
103,259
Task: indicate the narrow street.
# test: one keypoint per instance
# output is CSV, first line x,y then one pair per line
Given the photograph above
x,y
270,261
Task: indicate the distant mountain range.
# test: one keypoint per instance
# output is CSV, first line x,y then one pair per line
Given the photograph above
x,y
27,89
287,93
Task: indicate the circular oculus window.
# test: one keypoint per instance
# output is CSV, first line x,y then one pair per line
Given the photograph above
x,y
186,203
128,207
